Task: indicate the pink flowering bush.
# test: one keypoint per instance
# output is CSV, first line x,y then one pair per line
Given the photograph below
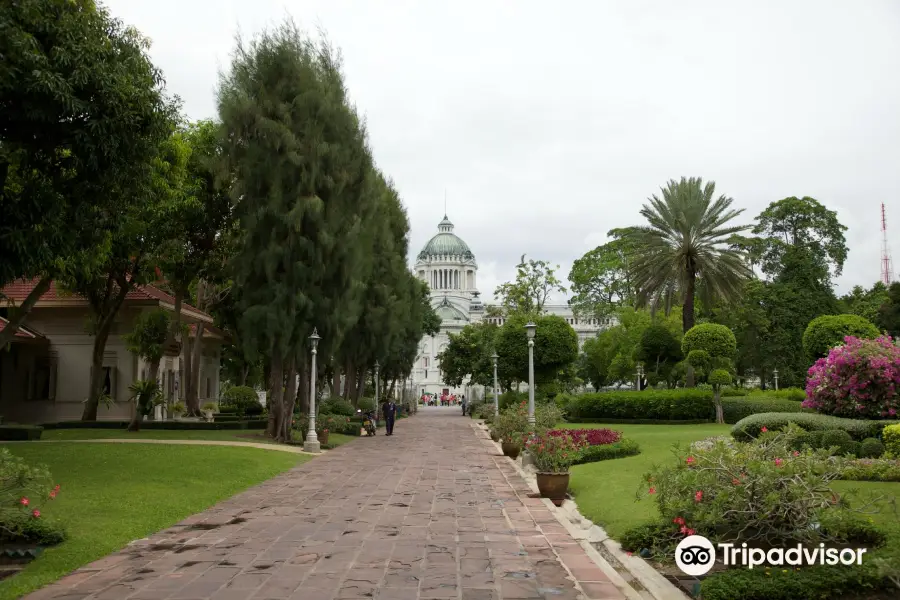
x,y
24,489
860,379
589,437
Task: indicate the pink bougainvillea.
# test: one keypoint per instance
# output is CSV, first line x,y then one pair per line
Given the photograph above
x,y
590,437
860,379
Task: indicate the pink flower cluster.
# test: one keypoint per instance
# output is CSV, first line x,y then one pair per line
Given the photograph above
x,y
860,379
589,437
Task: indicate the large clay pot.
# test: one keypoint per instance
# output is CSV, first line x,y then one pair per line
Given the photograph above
x,y
323,437
511,450
553,486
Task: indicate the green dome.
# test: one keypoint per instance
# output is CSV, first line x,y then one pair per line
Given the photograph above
x,y
446,243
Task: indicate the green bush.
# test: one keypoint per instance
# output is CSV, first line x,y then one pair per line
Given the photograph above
x,y
39,532
791,393
750,427
839,442
871,448
891,437
18,433
622,448
367,404
23,490
511,397
820,582
649,405
717,340
736,408
825,332
336,406
242,401
871,469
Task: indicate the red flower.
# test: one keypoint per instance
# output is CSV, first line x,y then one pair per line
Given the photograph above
x,y
652,490
24,501
698,496
53,494
691,531
778,462
736,481
678,520
764,429
796,453
628,553
690,460
36,513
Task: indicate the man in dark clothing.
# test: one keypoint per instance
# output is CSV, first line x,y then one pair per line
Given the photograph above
x,y
389,410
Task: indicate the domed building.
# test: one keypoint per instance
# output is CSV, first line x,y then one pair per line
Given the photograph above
x,y
448,266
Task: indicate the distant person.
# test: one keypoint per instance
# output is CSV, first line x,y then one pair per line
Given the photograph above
x,y
389,410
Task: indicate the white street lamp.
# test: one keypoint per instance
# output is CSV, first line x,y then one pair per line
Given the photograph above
x,y
530,330
775,373
496,395
312,440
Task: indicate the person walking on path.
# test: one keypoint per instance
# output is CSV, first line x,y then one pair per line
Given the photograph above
x,y
389,411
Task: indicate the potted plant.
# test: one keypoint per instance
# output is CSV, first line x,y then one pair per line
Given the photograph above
x,y
510,427
552,456
209,410
177,410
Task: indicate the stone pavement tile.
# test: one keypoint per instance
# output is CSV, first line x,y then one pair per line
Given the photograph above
x,y
601,591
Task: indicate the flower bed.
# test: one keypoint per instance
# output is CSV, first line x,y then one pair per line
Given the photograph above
x,y
598,444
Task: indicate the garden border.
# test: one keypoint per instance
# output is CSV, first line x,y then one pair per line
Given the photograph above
x,y
588,533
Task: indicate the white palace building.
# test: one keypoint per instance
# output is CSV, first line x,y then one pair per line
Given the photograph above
x,y
448,266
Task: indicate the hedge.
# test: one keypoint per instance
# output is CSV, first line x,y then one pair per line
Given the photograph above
x,y
859,429
171,425
18,433
791,393
891,435
682,406
622,448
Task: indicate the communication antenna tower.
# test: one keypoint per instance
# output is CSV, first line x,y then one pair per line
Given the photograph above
x,y
887,264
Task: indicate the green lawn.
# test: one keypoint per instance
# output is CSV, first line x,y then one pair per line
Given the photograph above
x,y
232,435
112,494
606,491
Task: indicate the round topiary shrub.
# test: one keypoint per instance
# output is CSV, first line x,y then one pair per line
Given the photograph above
x,y
836,438
337,406
717,340
871,448
241,400
859,379
825,332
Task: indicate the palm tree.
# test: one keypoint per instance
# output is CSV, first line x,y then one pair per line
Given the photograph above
x,y
686,248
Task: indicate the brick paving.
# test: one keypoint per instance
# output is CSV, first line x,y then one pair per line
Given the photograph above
x,y
433,512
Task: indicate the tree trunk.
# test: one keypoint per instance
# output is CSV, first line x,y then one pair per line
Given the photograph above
x,y
303,389
184,368
390,393
17,317
287,410
335,379
193,399
720,414
276,394
349,381
96,387
245,371
687,319
360,387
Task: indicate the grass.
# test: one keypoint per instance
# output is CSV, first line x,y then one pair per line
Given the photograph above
x,y
112,494
334,439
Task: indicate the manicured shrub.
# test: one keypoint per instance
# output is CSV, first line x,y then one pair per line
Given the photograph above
x,y
760,490
870,448
750,427
717,340
18,433
336,406
242,401
663,405
871,469
367,404
620,449
859,380
825,332
891,437
736,408
837,441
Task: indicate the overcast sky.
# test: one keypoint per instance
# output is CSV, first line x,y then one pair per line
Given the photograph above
x,y
549,123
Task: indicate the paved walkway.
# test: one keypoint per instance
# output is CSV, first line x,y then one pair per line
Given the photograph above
x,y
431,513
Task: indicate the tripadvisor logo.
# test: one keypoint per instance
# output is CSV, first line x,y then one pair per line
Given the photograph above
x,y
695,555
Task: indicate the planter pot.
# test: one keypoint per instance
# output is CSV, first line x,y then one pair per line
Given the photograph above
x,y
323,438
511,450
553,486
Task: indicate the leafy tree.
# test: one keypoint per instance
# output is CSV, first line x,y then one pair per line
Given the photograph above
x,y
711,346
468,355
660,351
825,332
865,303
800,222
750,320
600,279
82,113
686,241
889,312
555,348
535,282
148,337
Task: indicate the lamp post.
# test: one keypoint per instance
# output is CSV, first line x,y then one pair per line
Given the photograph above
x,y
529,330
775,373
312,440
494,356
640,376
377,368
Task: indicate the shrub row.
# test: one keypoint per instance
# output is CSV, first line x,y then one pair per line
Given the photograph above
x,y
18,433
793,393
871,469
172,425
622,448
891,436
669,406
859,429
820,581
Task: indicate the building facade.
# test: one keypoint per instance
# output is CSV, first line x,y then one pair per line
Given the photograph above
x,y
448,266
